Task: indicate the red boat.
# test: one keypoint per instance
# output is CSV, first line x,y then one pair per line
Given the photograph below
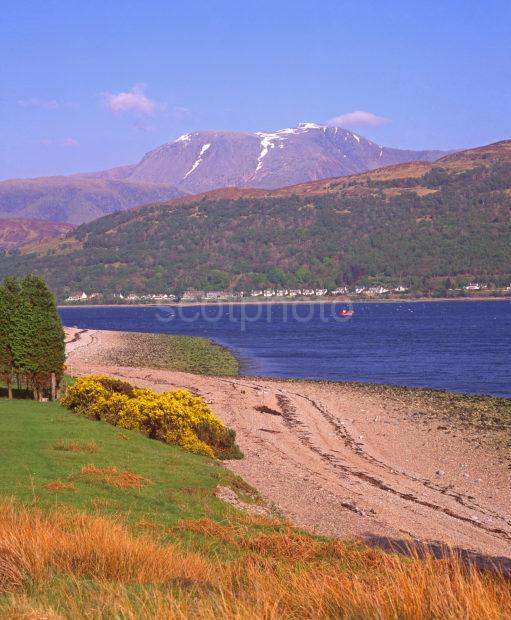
x,y
345,312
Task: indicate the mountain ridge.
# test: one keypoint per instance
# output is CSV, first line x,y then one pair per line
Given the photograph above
x,y
417,223
205,160
500,150
75,200
201,161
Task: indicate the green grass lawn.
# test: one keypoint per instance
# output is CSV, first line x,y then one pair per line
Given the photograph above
x,y
177,485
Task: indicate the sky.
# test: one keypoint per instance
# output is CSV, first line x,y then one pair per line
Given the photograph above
x,y
90,84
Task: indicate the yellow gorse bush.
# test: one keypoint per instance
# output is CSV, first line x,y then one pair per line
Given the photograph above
x,y
175,417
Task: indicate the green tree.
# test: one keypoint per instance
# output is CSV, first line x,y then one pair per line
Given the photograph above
x,y
40,328
9,302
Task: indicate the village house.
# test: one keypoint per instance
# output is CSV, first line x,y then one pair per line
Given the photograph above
x,y
222,295
78,296
159,297
215,295
193,295
377,290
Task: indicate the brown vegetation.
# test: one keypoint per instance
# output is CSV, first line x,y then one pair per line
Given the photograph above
x,y
72,445
18,232
57,486
113,477
87,566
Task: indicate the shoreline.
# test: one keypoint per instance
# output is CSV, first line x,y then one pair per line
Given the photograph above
x,y
351,460
371,388
345,301
358,385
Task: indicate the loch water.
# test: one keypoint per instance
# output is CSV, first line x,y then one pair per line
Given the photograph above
x,y
459,346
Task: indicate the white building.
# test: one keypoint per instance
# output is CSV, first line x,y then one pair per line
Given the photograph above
x,y
193,295
377,290
78,296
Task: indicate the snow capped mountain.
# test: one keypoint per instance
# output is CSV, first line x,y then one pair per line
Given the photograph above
x,y
204,160
201,161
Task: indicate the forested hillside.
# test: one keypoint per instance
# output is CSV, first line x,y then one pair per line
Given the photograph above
x,y
414,223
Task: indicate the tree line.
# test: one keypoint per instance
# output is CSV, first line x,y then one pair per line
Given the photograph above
x,y
32,344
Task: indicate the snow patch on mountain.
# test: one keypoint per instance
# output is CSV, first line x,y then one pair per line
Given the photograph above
x,y
204,148
310,126
301,128
186,137
266,144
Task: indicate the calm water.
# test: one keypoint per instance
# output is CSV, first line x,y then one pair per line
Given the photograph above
x,y
459,346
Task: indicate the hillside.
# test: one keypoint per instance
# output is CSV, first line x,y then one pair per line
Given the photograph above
x,y
16,233
393,179
416,223
205,160
75,200
98,523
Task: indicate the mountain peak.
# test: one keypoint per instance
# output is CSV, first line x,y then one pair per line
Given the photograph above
x,y
310,126
200,161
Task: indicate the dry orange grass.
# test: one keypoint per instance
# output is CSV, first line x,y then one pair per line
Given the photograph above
x,y
57,486
72,445
113,477
79,566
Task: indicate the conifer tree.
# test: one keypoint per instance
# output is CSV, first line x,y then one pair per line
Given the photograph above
x,y
21,336
9,302
41,350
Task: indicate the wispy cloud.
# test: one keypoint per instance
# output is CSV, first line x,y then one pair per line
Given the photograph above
x,y
66,142
358,118
180,112
141,124
70,142
134,101
44,104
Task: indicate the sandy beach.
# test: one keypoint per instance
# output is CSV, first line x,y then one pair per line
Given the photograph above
x,y
344,461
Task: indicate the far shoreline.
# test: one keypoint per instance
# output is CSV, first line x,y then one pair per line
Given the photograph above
x,y
289,302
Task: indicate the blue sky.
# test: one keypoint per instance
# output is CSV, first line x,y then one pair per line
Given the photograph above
x,y
88,84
